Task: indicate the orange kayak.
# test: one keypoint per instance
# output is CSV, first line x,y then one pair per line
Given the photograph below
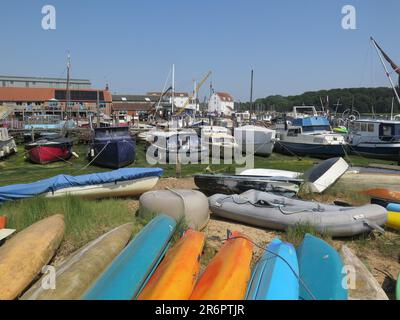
x,y
3,222
228,273
384,194
175,277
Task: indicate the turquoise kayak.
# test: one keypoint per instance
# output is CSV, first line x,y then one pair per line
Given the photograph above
x,y
321,269
131,269
394,207
276,275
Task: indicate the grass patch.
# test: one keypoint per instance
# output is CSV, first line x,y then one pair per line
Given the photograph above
x,y
295,234
85,220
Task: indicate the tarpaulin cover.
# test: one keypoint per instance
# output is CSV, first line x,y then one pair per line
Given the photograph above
x,y
20,191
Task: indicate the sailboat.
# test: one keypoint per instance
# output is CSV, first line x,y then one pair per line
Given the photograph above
x,y
51,149
378,138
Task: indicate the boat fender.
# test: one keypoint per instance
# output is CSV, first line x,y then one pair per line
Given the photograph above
x,y
92,152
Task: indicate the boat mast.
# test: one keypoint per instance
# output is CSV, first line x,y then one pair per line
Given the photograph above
x,y
251,91
67,93
173,90
386,70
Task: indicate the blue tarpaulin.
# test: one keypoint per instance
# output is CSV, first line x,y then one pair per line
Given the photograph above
x,y
20,191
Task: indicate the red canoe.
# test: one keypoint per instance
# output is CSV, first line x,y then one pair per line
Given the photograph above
x,y
46,151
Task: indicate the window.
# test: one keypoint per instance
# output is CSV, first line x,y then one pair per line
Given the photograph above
x,y
370,127
364,127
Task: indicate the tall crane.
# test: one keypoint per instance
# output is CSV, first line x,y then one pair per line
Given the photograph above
x,y
182,109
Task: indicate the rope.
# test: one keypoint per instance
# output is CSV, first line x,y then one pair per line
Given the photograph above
x,y
87,165
301,281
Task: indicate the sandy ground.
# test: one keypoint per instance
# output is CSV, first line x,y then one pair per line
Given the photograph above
x,y
383,268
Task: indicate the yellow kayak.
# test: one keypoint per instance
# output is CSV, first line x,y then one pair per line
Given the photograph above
x,y
393,220
23,256
228,273
175,277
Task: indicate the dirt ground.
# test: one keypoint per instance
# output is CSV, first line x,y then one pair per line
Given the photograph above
x,y
383,268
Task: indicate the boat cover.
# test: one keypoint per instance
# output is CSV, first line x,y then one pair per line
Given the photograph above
x,y
20,191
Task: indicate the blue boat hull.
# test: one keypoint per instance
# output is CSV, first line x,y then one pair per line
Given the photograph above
x,y
304,149
276,275
377,152
320,269
129,272
113,154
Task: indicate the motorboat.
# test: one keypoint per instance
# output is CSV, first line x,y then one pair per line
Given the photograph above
x,y
7,143
112,147
311,136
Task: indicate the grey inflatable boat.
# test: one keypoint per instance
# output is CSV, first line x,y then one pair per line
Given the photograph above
x,y
270,211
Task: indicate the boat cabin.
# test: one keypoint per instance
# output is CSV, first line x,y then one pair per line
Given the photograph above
x,y
310,125
375,130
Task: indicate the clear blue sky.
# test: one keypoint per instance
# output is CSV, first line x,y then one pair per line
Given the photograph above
x,y
293,45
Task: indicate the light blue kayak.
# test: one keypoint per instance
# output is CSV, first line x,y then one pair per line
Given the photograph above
x,y
131,269
276,275
321,269
394,207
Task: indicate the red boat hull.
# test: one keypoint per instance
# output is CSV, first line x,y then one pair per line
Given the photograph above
x,y
47,154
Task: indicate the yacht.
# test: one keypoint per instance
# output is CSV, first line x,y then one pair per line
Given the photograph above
x,y
220,145
310,134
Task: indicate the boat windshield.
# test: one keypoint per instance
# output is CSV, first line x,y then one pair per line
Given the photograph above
x,y
316,128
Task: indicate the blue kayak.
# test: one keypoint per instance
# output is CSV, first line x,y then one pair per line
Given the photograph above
x,y
131,269
276,275
394,207
321,269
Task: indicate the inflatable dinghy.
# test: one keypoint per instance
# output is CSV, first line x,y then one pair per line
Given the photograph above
x,y
267,210
190,205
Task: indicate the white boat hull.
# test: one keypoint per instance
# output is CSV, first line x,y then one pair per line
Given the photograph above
x,y
270,173
107,190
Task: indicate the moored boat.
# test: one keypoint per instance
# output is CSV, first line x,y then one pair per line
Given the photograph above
x,y
230,184
255,139
117,183
49,150
7,144
311,136
379,139
112,147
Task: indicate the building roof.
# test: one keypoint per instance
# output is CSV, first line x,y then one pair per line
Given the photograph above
x,y
43,79
13,94
116,98
224,96
132,106
169,94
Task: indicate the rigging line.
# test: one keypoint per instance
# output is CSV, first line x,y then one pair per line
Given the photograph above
x,y
87,165
278,256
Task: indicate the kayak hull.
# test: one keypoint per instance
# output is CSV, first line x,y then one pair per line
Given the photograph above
x,y
130,270
315,254
175,277
23,256
276,275
77,273
228,273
